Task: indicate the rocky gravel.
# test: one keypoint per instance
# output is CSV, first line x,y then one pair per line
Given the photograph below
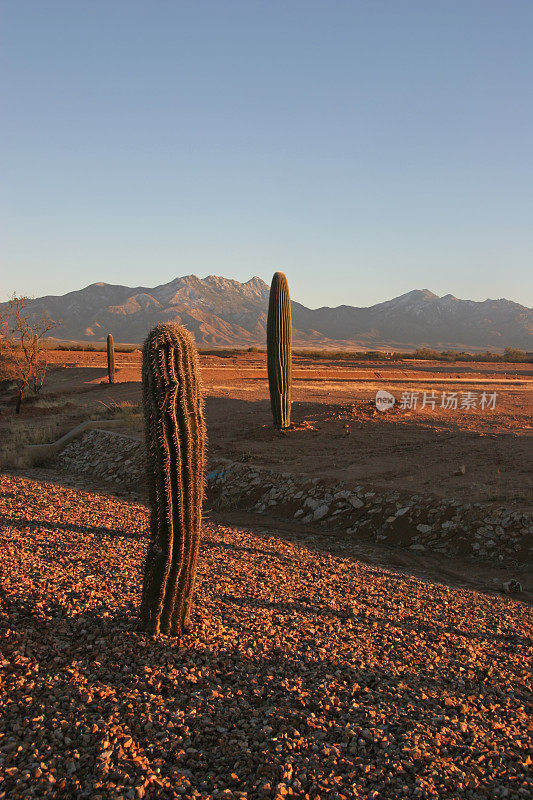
x,y
418,522
305,675
111,458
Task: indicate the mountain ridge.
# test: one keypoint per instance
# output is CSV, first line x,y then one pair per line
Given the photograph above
x,y
225,312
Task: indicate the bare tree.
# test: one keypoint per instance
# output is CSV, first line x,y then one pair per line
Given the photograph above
x,y
21,351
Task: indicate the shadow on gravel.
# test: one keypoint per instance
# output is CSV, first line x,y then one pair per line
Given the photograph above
x,y
435,630
97,530
102,669
267,552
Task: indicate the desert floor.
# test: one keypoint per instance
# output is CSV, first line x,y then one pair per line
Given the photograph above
x,y
338,433
310,671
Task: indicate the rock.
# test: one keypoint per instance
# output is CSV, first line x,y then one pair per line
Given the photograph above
x,y
321,512
356,502
424,528
342,495
312,503
402,511
512,586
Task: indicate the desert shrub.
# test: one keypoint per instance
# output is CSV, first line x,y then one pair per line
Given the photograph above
x,y
23,356
8,372
510,354
514,355
90,347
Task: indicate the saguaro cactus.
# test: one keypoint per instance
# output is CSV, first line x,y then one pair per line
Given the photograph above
x,y
175,448
279,350
110,358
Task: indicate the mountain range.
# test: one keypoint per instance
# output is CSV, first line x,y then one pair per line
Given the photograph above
x,y
226,313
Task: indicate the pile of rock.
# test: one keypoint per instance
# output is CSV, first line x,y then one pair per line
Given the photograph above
x,y
418,522
113,458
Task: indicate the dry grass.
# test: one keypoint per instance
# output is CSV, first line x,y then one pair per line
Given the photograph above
x,y
18,434
129,414
50,403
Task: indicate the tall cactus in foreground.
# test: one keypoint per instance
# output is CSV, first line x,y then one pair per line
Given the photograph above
x,y
110,358
175,440
279,350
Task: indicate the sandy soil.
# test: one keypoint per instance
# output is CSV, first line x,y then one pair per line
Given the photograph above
x,y
305,675
475,454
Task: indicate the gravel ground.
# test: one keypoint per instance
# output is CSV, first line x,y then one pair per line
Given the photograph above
x,y
305,675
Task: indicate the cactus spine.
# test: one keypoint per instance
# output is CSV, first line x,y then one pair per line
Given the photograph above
x,y
279,350
175,448
110,358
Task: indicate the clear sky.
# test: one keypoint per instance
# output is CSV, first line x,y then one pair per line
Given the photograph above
x,y
365,147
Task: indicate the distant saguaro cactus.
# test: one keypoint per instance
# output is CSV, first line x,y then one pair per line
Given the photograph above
x,y
110,358
279,350
175,440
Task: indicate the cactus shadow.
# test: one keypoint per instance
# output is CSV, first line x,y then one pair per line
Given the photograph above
x,y
102,672
95,530
433,630
209,542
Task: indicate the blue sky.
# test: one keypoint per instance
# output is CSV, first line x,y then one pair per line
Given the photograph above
x,y
365,148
